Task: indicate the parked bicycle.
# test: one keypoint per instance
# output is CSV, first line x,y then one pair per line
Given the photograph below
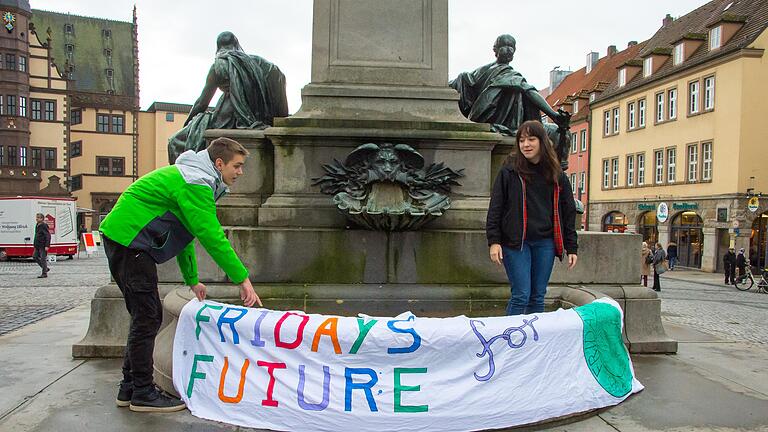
x,y
747,280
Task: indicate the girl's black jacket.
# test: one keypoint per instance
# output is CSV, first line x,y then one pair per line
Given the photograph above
x,y
506,220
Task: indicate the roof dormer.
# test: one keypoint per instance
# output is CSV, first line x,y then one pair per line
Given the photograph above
x,y
684,47
653,60
628,71
722,29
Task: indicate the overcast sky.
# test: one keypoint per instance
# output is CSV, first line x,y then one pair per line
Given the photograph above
x,y
177,39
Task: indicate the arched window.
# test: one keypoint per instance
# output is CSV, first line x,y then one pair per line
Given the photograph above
x,y
615,221
647,227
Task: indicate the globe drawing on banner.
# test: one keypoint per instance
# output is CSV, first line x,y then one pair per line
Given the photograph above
x,y
754,204
662,212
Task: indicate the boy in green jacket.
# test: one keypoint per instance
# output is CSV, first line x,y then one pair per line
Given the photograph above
x,y
156,218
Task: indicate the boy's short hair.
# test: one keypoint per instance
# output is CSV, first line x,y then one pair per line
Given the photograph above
x,y
225,149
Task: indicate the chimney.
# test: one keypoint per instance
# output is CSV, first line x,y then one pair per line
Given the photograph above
x,y
667,20
592,59
611,50
631,44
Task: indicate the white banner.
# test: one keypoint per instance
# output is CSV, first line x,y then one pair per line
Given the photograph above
x,y
288,371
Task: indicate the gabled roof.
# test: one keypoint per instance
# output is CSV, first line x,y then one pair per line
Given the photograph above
x,y
89,44
602,74
752,13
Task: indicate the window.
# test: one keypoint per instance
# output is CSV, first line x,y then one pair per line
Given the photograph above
x,y
606,174
10,61
630,170
709,93
106,33
50,111
615,177
575,106
37,157
110,73
622,77
22,64
22,106
169,117
22,156
678,54
671,163
11,105
69,51
2,106
75,149
584,140
693,162
641,169
69,28
76,183
36,109
582,181
76,116
574,143
631,115
658,157
607,123
592,97
573,181
706,163
647,67
672,103
714,38
13,155
693,97
110,166
615,120
659,107
102,123
2,159
641,113
107,52
118,124
50,158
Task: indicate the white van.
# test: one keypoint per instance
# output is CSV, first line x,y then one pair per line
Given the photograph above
x,y
17,225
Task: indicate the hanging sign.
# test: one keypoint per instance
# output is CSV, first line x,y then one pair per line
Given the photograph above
x,y
754,204
662,212
278,370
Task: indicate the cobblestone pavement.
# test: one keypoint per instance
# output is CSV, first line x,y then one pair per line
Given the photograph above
x,y
25,299
721,311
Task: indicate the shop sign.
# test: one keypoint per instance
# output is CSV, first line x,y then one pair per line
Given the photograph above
x,y
754,204
645,206
685,206
662,212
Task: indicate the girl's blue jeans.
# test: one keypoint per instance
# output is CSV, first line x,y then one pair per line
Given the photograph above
x,y
528,270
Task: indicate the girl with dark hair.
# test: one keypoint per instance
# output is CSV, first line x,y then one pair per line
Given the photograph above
x,y
531,218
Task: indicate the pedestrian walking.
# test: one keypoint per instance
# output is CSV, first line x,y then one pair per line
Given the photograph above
x,y
741,264
41,244
659,265
672,255
155,219
646,259
531,219
729,266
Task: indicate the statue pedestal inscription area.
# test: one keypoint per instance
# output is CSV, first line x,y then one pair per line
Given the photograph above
x,y
372,198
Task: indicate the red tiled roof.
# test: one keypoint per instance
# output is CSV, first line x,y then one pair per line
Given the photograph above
x,y
754,14
582,83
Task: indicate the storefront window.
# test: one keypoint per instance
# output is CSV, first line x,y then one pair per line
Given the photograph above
x,y
646,226
615,222
758,239
687,232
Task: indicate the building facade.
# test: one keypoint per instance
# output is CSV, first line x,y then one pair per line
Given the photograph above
x,y
156,125
574,94
677,143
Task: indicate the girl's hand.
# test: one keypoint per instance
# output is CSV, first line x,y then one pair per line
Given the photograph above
x,y
495,252
572,258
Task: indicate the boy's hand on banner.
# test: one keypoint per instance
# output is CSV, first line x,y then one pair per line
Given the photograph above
x,y
572,258
199,290
248,295
496,254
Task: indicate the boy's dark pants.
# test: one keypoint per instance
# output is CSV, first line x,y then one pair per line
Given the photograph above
x,y
135,272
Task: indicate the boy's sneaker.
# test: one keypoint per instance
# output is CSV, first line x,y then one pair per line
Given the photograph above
x,y
155,401
124,394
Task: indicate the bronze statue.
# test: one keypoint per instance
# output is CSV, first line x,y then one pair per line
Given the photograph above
x,y
499,95
254,94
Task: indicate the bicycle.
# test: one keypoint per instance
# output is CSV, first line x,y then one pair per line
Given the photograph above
x,y
746,281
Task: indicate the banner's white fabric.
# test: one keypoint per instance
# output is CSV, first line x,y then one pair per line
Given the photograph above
x,y
290,371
